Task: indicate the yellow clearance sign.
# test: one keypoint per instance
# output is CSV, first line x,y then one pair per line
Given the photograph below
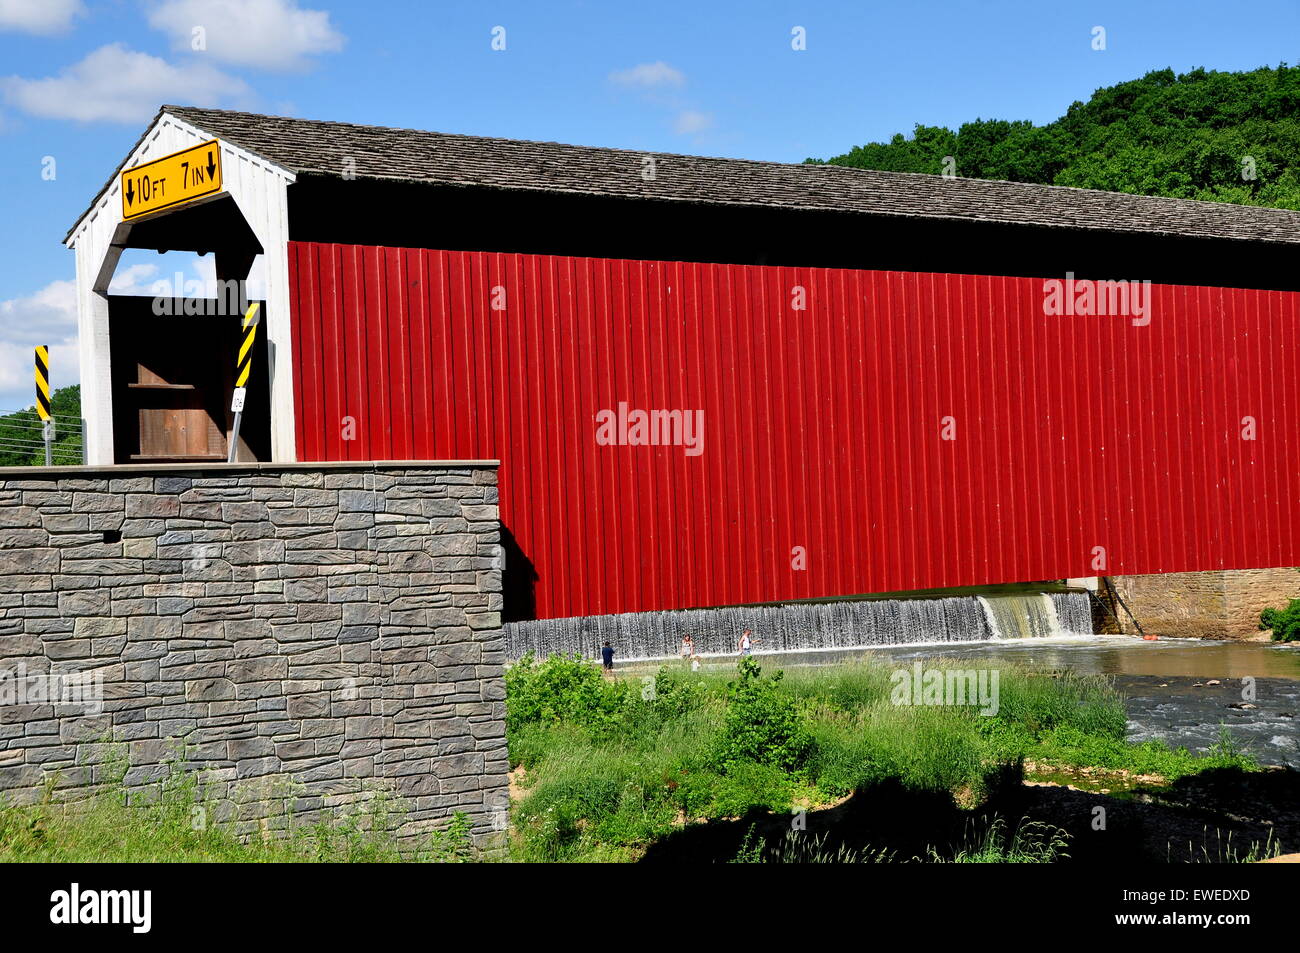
x,y
172,180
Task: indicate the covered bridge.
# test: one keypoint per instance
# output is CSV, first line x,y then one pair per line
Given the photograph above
x,y
714,382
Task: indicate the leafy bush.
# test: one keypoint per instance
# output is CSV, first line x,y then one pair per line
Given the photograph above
x,y
675,694
762,724
562,689
1285,623
569,690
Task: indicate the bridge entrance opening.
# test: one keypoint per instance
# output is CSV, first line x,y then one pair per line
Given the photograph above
x,y
174,347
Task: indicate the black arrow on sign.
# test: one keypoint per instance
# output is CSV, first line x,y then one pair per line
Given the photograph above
x,y
212,167
130,192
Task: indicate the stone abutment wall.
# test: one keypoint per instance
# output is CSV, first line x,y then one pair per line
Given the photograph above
x,y
1222,604
320,631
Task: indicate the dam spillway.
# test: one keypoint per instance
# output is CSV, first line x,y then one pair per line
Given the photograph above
x,y
803,627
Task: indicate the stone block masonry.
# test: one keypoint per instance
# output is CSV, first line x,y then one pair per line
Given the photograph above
x,y
324,630
1221,604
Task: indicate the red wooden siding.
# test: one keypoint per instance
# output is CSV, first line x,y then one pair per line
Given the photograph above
x,y
821,427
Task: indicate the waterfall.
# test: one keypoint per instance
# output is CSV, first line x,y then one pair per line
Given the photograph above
x,y
794,627
1021,615
1074,610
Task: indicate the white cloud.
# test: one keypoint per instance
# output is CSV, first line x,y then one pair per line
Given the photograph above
x,y
658,85
206,269
268,34
47,317
649,76
115,84
130,280
42,17
180,275
690,122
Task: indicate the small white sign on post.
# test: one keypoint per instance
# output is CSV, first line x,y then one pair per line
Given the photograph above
x,y
237,401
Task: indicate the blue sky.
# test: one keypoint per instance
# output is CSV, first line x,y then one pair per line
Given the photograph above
x,y
79,80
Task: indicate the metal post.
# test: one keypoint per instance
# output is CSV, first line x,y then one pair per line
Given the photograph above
x,y
242,368
43,400
1110,587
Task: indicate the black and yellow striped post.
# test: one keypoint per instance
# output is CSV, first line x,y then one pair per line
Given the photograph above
x,y
43,399
243,366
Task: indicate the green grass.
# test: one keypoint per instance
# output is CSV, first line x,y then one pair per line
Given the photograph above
x,y
987,842
1071,747
612,765
176,822
1224,849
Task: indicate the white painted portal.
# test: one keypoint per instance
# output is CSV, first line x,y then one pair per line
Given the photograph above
x,y
260,190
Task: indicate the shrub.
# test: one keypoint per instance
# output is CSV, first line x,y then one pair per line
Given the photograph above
x,y
1285,623
562,689
762,724
615,765
676,695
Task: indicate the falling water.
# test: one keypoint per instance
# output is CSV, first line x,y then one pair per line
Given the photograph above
x,y
795,627
1021,615
1074,610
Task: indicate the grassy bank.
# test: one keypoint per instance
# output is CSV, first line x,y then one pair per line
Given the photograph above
x,y
610,766
176,821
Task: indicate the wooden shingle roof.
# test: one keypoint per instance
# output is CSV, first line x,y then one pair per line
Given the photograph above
x,y
336,149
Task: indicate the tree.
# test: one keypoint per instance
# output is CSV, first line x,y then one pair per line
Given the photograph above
x,y
20,432
1216,136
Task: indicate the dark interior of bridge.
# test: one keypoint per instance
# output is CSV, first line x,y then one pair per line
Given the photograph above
x,y
403,214
173,359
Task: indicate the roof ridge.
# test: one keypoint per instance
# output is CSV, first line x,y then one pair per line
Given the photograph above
x,y
840,169
421,156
